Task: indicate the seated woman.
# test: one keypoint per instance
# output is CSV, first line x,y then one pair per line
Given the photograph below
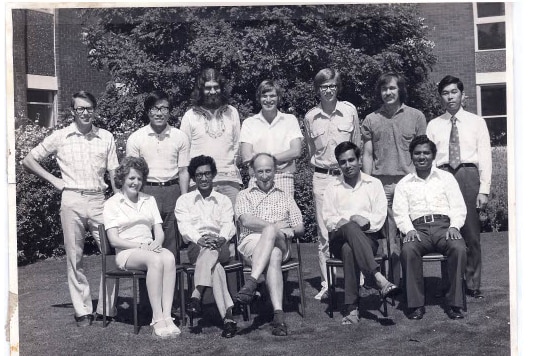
x,y
130,217
272,131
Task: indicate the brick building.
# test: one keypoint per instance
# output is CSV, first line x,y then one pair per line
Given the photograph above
x,y
50,60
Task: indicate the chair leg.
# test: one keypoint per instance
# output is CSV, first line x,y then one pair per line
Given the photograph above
x,y
104,293
240,283
302,292
135,321
182,298
331,289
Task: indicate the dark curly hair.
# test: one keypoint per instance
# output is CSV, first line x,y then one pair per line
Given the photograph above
x,y
199,161
420,140
346,146
137,163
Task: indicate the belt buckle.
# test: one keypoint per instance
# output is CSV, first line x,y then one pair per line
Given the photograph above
x,y
335,171
426,221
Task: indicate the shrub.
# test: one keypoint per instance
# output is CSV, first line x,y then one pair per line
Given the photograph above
x,y
496,215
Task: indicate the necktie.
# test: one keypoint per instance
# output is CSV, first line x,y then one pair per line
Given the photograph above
x,y
455,150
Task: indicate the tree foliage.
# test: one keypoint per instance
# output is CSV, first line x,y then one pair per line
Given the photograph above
x,y
165,48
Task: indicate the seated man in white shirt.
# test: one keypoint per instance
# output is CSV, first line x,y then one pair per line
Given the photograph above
x,y
205,219
355,209
429,209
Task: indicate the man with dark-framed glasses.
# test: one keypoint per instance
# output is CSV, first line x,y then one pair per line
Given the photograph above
x,y
84,153
166,151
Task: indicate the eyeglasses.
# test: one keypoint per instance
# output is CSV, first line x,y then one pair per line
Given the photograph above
x,y
331,87
162,110
80,110
208,175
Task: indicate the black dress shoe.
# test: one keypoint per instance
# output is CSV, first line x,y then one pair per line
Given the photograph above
x,y
230,329
84,320
194,307
416,313
454,313
474,293
100,317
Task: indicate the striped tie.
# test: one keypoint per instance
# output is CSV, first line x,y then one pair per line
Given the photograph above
x,y
455,150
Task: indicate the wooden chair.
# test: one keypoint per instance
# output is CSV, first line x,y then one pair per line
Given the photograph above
x,y
234,265
294,263
332,263
117,274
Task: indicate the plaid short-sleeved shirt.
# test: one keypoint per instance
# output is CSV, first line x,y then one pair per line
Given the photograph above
x,y
272,206
82,159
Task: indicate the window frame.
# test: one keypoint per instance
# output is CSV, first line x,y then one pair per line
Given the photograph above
x,y
489,20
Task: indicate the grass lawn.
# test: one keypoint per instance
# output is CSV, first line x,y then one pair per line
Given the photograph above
x,y
47,326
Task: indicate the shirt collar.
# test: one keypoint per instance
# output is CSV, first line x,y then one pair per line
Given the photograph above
x,y
166,130
279,116
218,112
382,109
142,198
434,172
274,188
199,196
458,115
72,129
323,113
363,178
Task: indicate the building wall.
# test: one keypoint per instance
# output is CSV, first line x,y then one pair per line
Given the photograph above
x,y
451,28
74,70
40,43
19,61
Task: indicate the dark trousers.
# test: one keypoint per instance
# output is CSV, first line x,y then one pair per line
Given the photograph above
x,y
166,203
468,179
356,250
433,236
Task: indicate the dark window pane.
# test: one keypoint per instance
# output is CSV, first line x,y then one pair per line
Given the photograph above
x,y
40,114
493,100
487,9
491,35
497,130
39,96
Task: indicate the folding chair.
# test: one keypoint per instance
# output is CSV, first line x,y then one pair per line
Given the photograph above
x,y
332,263
134,275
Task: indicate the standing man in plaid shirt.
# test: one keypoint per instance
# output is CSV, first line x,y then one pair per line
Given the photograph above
x,y
84,153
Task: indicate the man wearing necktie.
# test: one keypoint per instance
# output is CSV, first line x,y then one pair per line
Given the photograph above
x,y
463,149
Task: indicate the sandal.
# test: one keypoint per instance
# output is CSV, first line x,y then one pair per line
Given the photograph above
x,y
390,290
279,329
247,293
352,318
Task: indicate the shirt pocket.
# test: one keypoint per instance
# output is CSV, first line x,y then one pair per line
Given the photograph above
x,y
344,131
318,135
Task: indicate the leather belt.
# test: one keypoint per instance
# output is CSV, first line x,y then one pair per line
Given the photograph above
x,y
426,219
163,184
333,172
447,166
84,191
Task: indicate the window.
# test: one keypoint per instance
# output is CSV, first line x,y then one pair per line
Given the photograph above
x,y
41,107
490,25
493,108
